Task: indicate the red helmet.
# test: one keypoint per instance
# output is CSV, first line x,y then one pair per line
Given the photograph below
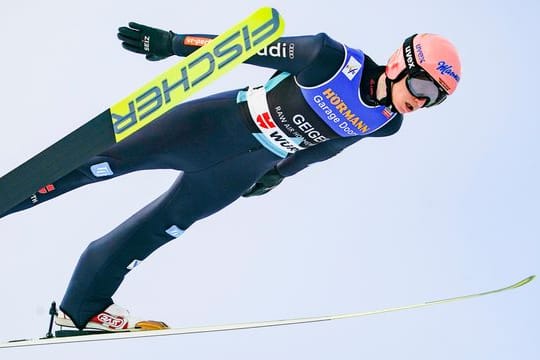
x,y
430,55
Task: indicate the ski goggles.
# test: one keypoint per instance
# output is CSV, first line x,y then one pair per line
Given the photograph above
x,y
423,87
419,81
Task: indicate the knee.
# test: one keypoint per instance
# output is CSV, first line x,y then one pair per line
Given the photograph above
x,y
95,252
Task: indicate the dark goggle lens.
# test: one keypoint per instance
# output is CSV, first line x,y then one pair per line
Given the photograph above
x,y
425,88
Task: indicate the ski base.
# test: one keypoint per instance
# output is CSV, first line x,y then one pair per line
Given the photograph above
x,y
61,334
68,333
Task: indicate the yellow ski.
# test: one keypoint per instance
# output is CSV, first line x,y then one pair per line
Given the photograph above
x,y
197,70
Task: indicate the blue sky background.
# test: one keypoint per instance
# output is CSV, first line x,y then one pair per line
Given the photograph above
x,y
448,206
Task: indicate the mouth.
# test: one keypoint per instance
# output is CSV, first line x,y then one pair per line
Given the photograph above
x,y
408,106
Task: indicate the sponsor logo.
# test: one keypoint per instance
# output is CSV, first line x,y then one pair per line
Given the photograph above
x,y
282,141
265,121
409,57
283,50
339,106
420,54
300,127
111,321
101,170
352,68
196,41
446,69
280,114
307,129
146,43
47,189
42,191
160,95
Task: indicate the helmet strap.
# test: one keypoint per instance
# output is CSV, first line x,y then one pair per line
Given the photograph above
x,y
410,62
387,100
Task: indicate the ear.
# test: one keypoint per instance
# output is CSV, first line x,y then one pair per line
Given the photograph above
x,y
396,64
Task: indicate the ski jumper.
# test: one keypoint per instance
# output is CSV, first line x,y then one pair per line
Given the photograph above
x,y
320,101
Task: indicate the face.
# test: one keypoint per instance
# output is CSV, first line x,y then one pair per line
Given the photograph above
x,y
403,100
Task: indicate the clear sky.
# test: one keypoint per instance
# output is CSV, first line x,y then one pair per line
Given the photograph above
x,y
448,206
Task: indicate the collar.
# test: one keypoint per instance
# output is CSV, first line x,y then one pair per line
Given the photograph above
x,y
368,86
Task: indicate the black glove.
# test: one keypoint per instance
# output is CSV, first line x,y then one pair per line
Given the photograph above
x,y
141,39
266,183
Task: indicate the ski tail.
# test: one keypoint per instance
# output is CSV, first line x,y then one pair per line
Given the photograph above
x,y
143,106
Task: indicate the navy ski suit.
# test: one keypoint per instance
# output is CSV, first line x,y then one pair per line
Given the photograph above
x,y
211,141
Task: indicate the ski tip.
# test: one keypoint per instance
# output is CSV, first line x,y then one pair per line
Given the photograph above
x,y
266,12
523,282
267,9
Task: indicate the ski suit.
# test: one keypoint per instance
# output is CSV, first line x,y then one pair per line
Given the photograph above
x,y
220,146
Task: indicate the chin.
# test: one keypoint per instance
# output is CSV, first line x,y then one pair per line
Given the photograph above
x,y
395,108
